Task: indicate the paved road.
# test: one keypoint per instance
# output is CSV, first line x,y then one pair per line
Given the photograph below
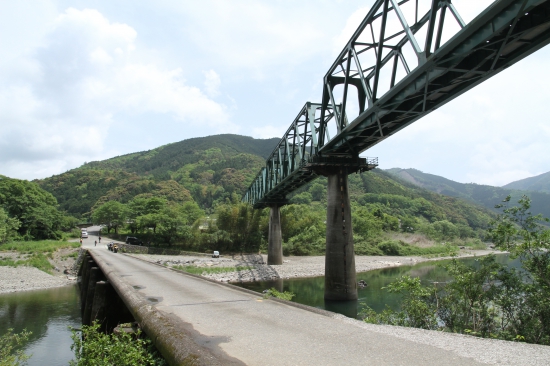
x,y
93,236
239,327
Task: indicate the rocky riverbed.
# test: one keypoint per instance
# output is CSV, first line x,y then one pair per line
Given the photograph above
x,y
23,278
292,267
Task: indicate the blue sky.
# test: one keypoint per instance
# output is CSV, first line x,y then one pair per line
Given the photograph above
x,y
88,80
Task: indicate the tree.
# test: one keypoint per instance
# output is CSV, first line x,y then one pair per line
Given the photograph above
x,y
10,355
241,223
112,214
8,226
318,192
527,237
35,209
487,299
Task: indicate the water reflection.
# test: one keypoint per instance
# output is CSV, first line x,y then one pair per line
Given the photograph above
x,y
310,291
47,314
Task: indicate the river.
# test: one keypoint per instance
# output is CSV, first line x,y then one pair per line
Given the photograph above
x,y
48,314
310,291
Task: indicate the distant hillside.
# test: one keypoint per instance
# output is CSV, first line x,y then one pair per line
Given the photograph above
x,y
484,195
218,169
539,183
206,170
171,157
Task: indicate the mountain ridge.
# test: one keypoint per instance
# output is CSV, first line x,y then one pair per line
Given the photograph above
x,y
538,183
484,195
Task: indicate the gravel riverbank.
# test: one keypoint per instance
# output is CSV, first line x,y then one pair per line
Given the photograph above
x,y
24,278
292,267
15,279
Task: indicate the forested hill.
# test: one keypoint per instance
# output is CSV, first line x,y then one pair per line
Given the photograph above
x,y
171,157
207,170
484,195
214,170
539,183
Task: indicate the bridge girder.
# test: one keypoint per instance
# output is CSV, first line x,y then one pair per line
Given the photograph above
x,y
397,81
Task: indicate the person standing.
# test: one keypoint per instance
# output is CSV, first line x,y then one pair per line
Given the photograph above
x,y
80,241
95,243
100,240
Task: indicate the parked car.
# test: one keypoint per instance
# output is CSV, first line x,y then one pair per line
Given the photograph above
x,y
133,240
216,254
84,234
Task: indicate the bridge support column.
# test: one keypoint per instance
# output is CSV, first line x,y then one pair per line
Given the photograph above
x,y
340,279
99,303
274,246
89,295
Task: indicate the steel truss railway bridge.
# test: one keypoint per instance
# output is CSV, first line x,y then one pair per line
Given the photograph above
x,y
403,62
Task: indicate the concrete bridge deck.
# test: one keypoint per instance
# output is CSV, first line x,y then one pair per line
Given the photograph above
x,y
203,322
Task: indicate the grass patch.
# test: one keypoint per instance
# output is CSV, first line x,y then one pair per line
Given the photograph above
x,y
40,246
211,270
70,255
8,262
37,260
35,253
280,295
400,248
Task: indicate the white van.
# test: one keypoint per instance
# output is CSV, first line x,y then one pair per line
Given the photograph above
x,y
84,234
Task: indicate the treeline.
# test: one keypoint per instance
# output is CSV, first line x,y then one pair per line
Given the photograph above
x,y
27,212
489,299
156,221
234,226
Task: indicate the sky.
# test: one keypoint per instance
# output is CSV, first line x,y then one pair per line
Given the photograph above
x,y
86,80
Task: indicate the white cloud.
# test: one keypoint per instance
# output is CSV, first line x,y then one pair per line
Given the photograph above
x,y
212,83
267,132
493,134
255,36
58,111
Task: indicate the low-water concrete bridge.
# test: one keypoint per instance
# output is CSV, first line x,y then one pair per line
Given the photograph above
x,y
195,321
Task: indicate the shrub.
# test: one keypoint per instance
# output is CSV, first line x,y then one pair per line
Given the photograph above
x,y
280,295
122,349
9,342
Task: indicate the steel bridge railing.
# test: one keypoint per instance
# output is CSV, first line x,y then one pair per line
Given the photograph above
x,y
385,79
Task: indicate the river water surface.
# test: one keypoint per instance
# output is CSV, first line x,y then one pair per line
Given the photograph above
x,y
310,291
48,314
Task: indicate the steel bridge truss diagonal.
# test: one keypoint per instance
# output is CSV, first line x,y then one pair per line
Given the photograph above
x,y
406,59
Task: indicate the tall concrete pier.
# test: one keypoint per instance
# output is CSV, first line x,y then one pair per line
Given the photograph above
x,y
340,278
275,246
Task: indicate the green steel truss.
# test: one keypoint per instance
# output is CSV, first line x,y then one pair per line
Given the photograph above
x,y
385,79
295,161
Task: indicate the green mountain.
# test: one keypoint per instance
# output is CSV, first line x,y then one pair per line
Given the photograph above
x,y
206,170
539,183
218,169
484,195
171,157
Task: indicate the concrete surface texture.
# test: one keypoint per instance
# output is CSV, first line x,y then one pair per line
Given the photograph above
x,y
236,326
275,241
340,276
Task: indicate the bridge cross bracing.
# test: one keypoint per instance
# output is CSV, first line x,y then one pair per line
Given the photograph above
x,y
404,61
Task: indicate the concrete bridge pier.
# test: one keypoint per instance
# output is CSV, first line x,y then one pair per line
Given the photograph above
x,y
275,246
93,278
340,277
99,300
99,304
